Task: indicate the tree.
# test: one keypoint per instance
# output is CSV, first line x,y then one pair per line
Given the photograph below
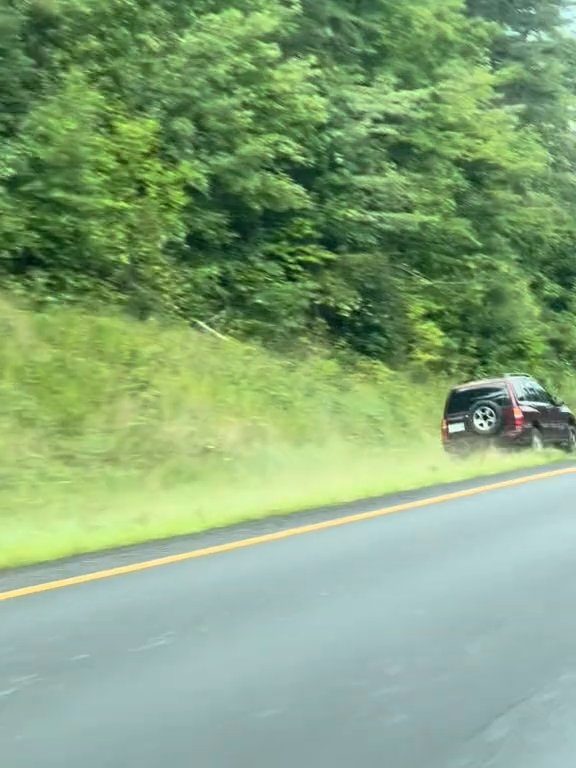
x,y
91,205
393,178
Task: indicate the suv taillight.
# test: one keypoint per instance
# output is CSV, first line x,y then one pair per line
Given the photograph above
x,y
444,430
518,418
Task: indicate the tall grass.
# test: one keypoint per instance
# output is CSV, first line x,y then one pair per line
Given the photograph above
x,y
114,431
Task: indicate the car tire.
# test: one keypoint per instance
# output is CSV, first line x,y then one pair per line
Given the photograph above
x,y
570,445
485,418
537,441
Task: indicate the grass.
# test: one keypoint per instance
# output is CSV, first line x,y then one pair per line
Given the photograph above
x,y
115,432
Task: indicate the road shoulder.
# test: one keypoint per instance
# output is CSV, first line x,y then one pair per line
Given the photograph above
x,y
81,565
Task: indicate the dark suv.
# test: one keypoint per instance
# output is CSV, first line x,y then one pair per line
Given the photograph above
x,y
510,411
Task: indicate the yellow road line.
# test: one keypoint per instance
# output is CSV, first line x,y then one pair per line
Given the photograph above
x,y
279,535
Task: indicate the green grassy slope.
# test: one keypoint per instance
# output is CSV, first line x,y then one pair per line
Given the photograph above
x,y
114,431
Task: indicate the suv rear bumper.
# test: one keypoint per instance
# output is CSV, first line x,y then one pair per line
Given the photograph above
x,y
509,439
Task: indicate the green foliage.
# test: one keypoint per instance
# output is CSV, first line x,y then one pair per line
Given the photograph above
x,y
92,203
391,178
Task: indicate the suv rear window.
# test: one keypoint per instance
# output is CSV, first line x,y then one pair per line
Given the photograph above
x,y
461,400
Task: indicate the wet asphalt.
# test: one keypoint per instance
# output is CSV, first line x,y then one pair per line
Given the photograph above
x,y
441,637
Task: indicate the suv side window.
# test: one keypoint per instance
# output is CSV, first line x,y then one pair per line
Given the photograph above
x,y
529,391
521,390
542,395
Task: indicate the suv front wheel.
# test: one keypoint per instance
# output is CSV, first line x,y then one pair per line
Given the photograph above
x,y
537,443
570,445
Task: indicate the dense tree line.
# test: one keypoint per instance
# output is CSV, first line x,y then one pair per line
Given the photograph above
x,y
396,178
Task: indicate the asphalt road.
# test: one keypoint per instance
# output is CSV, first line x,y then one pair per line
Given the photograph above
x,y
440,637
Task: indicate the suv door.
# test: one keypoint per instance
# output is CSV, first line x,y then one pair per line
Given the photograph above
x,y
558,420
537,398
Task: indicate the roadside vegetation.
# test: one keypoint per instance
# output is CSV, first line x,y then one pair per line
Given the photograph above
x,y
368,200
114,431
396,178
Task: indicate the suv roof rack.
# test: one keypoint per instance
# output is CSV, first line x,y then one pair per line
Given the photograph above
x,y
513,375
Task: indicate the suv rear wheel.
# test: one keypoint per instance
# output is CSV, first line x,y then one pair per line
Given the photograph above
x,y
486,418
